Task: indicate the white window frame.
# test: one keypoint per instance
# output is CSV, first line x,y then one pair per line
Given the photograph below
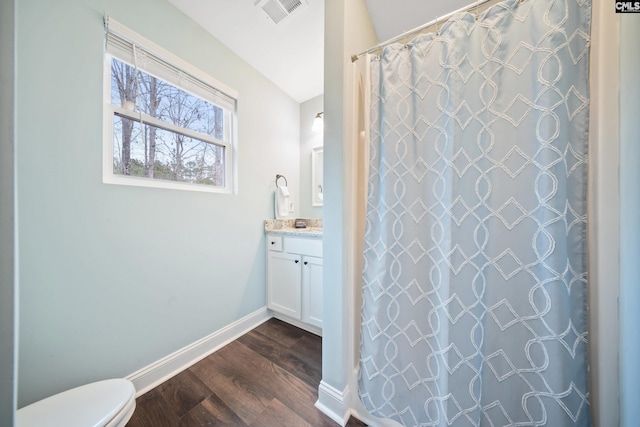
x,y
111,110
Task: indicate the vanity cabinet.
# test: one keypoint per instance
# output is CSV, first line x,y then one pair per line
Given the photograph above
x,y
294,280
312,290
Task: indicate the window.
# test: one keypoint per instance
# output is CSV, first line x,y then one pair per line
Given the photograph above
x,y
167,124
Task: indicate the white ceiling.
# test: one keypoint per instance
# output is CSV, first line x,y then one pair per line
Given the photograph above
x,y
290,53
393,17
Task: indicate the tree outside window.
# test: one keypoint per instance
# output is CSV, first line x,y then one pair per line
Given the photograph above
x,y
163,132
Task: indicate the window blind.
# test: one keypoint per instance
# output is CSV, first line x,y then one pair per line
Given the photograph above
x,y
130,47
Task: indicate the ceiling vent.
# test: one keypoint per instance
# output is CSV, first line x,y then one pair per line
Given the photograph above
x,y
279,10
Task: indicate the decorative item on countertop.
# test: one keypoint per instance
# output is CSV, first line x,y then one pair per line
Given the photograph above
x,y
300,223
282,196
279,224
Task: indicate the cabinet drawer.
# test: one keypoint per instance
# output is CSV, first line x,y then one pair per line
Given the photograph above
x,y
303,246
274,243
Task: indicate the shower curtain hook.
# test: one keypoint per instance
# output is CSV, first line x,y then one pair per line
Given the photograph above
x,y
405,42
406,39
437,30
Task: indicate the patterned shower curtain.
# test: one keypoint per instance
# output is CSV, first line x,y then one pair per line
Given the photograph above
x,y
474,285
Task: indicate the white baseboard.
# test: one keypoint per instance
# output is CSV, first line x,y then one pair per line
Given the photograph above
x,y
156,373
334,403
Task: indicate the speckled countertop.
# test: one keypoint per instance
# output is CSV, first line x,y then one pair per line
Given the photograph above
x,y
286,227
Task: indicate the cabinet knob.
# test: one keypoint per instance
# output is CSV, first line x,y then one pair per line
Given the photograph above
x,y
297,261
306,262
273,243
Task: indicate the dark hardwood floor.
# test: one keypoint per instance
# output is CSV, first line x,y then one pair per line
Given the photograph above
x,y
268,377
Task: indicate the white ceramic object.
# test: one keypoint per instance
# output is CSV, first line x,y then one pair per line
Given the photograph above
x,y
108,403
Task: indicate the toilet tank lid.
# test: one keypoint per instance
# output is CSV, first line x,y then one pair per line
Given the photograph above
x,y
90,405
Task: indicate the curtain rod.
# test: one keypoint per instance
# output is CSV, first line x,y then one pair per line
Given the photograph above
x,y
442,18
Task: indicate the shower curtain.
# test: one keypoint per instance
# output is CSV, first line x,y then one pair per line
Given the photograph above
x,y
474,285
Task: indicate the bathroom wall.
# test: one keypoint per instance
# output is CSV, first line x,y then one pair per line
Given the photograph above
x,y
114,278
604,214
348,30
7,217
309,139
629,226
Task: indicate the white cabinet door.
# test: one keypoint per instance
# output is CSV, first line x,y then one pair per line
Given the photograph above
x,y
312,290
284,284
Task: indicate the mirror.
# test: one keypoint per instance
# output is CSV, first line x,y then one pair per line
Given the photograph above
x,y
316,176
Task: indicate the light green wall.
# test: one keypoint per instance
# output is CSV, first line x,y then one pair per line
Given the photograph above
x,y
114,278
7,214
309,139
348,30
629,225
333,316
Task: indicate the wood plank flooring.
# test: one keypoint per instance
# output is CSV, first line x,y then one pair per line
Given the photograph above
x,y
267,378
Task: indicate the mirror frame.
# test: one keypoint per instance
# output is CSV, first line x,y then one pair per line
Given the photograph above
x,y
317,160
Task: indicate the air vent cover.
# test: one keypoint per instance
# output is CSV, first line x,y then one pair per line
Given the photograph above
x,y
279,10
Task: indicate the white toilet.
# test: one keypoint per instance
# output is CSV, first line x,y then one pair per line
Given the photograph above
x,y
108,403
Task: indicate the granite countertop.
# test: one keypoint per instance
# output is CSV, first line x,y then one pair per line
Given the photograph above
x,y
285,227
